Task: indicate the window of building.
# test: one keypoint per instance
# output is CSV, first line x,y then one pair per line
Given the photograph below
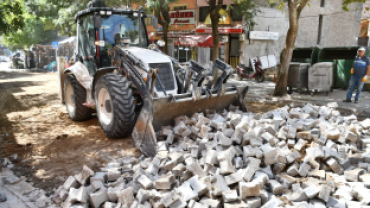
x,y
320,29
322,4
148,20
203,13
179,7
236,16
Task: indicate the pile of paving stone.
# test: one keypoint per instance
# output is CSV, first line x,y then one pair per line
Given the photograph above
x,y
289,157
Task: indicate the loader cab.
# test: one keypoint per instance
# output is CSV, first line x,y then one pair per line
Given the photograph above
x,y
100,29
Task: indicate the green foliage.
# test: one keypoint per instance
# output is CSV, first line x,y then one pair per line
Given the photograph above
x,y
347,2
60,14
11,16
249,10
32,30
32,33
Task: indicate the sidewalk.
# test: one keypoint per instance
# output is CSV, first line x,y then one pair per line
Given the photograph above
x,y
263,92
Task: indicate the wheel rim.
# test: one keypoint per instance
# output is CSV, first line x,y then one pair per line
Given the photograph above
x,y
105,107
70,98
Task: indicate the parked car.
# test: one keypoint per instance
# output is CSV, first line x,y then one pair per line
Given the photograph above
x,y
4,59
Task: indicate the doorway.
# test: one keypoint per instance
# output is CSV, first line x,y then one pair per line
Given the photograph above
x,y
234,58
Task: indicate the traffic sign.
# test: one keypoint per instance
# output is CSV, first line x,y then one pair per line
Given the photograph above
x,y
55,45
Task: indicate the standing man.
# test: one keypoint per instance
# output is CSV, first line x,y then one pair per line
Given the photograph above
x,y
360,70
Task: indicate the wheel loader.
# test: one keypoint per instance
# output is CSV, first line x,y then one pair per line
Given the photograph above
x,y
131,82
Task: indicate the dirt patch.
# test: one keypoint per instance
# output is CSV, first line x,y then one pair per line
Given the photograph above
x,y
48,145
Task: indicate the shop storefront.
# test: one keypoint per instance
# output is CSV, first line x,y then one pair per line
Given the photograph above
x,y
196,47
230,37
183,23
230,32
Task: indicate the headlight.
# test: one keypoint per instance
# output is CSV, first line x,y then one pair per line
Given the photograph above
x,y
103,13
109,12
100,43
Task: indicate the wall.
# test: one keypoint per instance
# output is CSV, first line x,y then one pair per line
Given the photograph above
x,y
340,28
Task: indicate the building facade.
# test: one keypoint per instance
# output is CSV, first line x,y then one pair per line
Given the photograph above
x,y
183,22
323,24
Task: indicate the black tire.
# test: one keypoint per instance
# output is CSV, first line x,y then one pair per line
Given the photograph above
x,y
260,78
121,103
76,110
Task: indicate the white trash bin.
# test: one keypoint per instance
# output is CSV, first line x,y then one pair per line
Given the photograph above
x,y
320,77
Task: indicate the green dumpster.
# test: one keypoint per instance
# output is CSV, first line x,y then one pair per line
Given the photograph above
x,y
342,73
306,55
342,59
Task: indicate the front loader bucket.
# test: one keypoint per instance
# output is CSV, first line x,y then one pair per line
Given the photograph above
x,y
166,109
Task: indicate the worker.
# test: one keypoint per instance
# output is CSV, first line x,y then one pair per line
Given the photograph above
x,y
359,71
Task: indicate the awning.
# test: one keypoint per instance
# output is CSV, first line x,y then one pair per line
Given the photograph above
x,y
172,34
221,30
196,41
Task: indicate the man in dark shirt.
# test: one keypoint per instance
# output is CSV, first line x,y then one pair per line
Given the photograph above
x,y
360,70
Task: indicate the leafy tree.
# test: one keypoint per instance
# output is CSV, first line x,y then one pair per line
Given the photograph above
x,y
295,8
33,21
11,16
61,13
30,32
248,9
161,10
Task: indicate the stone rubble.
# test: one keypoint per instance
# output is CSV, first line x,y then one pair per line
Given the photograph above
x,y
289,157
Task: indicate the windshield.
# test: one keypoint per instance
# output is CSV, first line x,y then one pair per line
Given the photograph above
x,y
116,27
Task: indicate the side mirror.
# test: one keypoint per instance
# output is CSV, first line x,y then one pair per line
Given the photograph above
x,y
155,22
97,20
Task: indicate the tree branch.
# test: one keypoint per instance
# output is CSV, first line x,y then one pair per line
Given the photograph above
x,y
301,6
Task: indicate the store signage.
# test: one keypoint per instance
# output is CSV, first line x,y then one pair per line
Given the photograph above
x,y
220,30
182,17
263,35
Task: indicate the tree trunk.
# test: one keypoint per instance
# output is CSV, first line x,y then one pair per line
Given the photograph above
x,y
215,6
165,38
281,84
214,20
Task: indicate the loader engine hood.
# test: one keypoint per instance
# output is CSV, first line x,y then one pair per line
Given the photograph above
x,y
148,56
153,59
